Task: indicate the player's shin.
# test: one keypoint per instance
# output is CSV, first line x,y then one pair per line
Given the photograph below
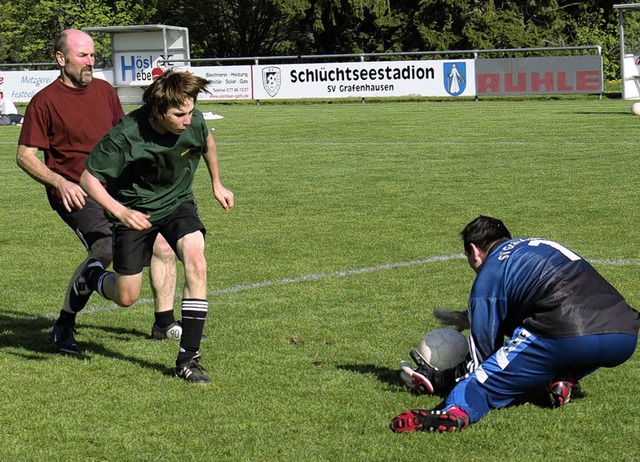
x,y
194,313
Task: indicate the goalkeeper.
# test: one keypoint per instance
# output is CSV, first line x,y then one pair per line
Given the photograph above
x,y
563,321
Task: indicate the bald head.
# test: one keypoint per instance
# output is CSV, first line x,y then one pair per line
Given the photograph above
x,y
75,54
61,43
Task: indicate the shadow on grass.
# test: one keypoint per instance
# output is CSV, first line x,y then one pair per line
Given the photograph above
x,y
388,376
31,334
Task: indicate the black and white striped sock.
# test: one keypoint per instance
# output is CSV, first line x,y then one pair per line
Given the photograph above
x,y
194,313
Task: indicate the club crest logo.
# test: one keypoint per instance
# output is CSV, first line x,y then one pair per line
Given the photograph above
x,y
455,78
271,80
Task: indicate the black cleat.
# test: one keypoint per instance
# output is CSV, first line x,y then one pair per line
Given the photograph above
x,y
62,339
192,371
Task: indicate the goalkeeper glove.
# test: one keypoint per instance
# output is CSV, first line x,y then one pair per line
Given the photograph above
x,y
457,319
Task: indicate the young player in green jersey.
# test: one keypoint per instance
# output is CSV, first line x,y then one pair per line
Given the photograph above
x,y
141,173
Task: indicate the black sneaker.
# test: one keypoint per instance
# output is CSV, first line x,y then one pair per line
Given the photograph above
x,y
430,420
62,339
192,371
173,331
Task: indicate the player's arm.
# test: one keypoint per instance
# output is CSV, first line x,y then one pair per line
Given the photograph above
x,y
486,336
222,194
72,194
128,217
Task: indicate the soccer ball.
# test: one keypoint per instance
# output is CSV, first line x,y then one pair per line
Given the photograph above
x,y
444,348
635,108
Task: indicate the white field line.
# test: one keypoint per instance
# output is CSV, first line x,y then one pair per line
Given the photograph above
x,y
314,277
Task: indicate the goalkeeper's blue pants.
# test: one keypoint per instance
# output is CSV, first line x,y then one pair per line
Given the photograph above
x,y
527,362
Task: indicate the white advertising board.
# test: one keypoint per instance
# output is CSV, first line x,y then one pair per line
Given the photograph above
x,y
20,86
227,82
364,79
631,76
137,68
434,78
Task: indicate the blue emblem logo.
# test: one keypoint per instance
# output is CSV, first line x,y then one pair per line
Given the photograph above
x,y
455,77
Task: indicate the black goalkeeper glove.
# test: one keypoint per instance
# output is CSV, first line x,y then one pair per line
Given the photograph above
x,y
456,319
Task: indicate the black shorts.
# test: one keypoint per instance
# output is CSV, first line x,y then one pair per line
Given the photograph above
x,y
89,223
133,249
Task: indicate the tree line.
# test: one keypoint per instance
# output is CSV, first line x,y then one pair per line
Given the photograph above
x,y
251,28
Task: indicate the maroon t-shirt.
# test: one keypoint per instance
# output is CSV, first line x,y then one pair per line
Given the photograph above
x,y
66,123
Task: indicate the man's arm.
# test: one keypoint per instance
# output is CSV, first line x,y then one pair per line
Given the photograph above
x,y
486,336
128,217
71,193
222,194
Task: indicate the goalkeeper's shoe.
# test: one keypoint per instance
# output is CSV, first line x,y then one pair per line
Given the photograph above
x,y
560,389
63,340
418,380
422,379
560,393
192,371
173,331
430,420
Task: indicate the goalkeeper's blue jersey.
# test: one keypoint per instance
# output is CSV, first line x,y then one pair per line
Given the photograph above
x,y
546,288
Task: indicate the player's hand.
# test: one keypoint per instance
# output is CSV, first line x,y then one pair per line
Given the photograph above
x,y
456,319
224,196
72,195
134,219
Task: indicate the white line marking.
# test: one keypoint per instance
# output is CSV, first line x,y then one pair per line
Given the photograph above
x,y
310,277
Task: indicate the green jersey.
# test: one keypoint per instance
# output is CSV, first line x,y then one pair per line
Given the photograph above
x,y
145,170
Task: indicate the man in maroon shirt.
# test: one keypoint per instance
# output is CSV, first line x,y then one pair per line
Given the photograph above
x,y
65,120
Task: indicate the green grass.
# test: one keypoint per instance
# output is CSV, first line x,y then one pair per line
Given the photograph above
x,y
321,279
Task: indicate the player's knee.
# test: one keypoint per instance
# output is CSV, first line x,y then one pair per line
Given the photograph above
x,y
162,249
126,294
126,299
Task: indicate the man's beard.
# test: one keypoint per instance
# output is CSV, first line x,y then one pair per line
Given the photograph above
x,y
80,79
85,79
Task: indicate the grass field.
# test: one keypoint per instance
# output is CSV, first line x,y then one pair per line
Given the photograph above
x,y
344,237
